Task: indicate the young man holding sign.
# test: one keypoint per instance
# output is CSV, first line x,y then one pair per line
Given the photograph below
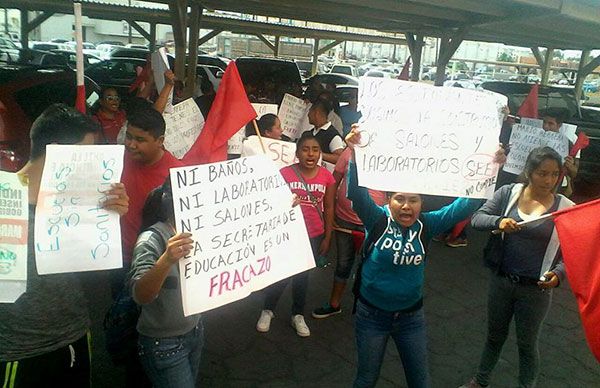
x,y
44,335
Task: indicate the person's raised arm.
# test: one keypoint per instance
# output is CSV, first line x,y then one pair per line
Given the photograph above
x,y
163,98
149,275
362,203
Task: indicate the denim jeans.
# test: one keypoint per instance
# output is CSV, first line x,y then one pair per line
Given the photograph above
x,y
373,328
346,254
299,286
172,362
529,306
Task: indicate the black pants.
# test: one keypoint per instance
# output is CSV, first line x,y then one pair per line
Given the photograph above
x,y
67,367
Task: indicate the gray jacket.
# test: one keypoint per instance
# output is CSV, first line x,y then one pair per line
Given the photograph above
x,y
488,217
163,317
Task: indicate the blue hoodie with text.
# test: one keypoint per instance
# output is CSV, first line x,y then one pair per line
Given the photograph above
x,y
393,272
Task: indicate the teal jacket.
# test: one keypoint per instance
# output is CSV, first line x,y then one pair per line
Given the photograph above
x,y
393,271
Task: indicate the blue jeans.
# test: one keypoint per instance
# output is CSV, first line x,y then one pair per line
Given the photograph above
x,y
373,328
172,362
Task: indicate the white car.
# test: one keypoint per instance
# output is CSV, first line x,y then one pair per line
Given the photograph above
x,y
460,80
344,69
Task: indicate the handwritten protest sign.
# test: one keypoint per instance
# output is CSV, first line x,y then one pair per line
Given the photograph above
x,y
569,130
293,114
524,138
14,213
160,64
423,139
283,153
246,234
183,127
73,232
234,144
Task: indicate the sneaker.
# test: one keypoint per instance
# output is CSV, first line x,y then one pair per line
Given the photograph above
x,y
457,242
264,322
326,311
473,384
298,323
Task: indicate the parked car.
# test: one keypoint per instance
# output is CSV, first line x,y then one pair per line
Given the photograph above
x,y
459,80
344,69
125,52
590,86
8,50
336,79
118,73
378,74
343,93
212,74
137,46
270,79
71,58
210,60
25,91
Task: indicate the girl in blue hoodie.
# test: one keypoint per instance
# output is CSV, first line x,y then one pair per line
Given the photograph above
x,y
390,301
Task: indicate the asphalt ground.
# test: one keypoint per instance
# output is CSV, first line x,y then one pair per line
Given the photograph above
x,y
236,355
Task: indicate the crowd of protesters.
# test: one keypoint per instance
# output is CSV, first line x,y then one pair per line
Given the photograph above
x,y
44,335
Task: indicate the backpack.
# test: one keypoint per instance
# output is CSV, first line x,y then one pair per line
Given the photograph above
x,y
378,230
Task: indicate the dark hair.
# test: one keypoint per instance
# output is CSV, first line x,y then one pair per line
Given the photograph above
x,y
330,98
322,105
560,114
206,87
266,122
537,156
147,119
158,206
306,136
61,124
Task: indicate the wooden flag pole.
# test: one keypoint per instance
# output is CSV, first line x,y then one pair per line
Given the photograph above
x,y
262,145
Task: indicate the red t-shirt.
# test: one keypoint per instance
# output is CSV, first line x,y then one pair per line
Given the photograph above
x,y
139,180
343,206
111,125
317,187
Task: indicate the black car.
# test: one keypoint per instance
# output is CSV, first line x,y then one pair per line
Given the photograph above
x,y
269,79
118,73
127,52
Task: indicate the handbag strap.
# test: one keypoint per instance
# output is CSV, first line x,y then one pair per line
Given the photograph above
x,y
312,198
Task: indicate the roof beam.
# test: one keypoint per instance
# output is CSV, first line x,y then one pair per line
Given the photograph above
x,y
491,8
208,36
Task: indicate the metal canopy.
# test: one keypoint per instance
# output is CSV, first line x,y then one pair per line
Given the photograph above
x,y
562,24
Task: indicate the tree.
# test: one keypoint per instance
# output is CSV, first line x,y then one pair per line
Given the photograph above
x,y
506,57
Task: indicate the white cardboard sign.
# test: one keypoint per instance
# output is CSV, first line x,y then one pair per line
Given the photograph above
x,y
283,153
14,213
246,233
525,138
183,127
73,233
423,139
293,114
160,64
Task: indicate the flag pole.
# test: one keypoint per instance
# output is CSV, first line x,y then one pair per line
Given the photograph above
x,y
262,145
80,100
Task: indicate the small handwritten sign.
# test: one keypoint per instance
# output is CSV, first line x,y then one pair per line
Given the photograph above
x,y
525,138
293,114
183,127
73,232
246,233
14,213
234,144
423,139
283,153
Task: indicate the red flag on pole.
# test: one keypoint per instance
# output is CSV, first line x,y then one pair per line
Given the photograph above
x,y
230,111
404,74
80,99
578,230
529,107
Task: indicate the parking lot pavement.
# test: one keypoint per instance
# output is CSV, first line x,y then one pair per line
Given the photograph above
x,y
236,355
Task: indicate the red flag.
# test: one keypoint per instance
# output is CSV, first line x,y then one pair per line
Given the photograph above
x,y
230,111
80,99
142,76
529,107
404,74
578,229
582,142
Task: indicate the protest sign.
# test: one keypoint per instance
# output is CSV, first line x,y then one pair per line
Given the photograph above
x,y
423,139
246,233
160,64
283,153
14,213
73,232
182,127
569,130
293,114
525,138
234,145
